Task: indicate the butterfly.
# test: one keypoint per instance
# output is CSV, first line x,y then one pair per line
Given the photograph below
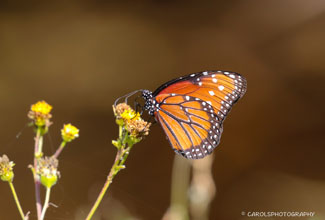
x,y
191,109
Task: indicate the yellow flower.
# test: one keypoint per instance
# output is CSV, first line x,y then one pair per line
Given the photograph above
x,y
69,132
130,114
125,112
6,167
41,107
40,113
131,120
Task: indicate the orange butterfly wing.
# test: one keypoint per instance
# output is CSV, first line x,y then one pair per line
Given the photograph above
x,y
192,109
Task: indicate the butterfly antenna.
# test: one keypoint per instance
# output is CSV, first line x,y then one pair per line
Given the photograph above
x,y
126,96
131,94
137,105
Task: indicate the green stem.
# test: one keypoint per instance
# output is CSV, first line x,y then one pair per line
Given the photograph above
x,y
16,200
46,203
120,131
112,173
126,154
122,153
37,150
59,150
40,146
37,141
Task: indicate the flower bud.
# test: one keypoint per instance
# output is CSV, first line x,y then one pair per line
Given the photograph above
x,y
69,132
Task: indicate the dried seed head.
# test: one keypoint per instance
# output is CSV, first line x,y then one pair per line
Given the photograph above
x,y
6,169
131,120
48,170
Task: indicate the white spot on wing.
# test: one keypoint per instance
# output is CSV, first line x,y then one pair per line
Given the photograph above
x,y
192,75
200,83
187,97
232,76
221,87
214,80
211,92
205,73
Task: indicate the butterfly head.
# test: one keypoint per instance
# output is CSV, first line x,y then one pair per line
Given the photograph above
x,y
150,102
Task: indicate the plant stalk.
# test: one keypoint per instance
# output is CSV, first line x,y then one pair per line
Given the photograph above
x,y
46,202
16,200
59,150
38,147
121,156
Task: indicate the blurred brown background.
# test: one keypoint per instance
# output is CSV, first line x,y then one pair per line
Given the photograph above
x,y
80,56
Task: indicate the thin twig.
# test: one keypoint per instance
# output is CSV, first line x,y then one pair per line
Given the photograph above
x,y
16,200
131,130
46,202
38,142
121,156
59,150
